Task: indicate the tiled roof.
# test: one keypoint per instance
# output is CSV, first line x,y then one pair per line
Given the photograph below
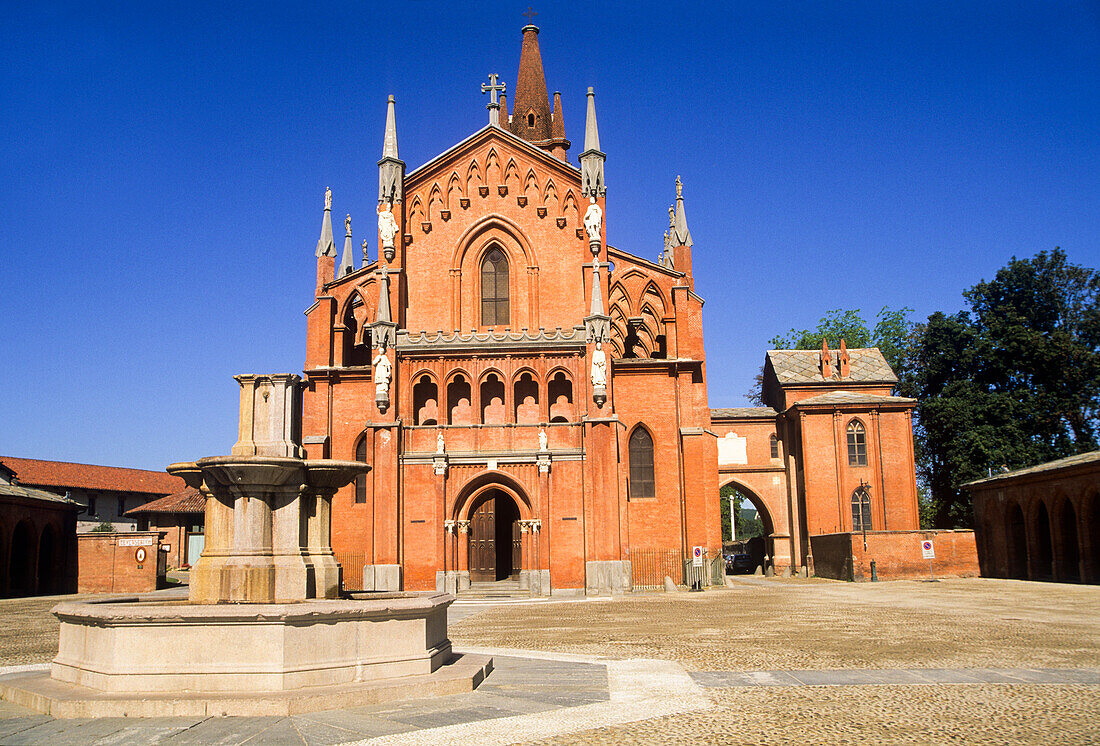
x,y
189,500
853,397
38,473
867,365
18,490
742,412
1062,463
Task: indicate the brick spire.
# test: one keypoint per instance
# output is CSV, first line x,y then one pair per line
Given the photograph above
x,y
531,118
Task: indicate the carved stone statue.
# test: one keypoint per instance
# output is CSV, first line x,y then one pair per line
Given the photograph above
x,y
328,198
593,217
439,445
347,225
382,372
599,366
542,439
387,228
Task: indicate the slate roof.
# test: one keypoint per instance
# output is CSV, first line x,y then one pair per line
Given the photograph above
x,y
867,365
62,474
18,490
1062,463
189,500
853,397
742,412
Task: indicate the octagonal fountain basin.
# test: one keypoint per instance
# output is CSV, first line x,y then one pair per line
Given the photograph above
x,y
148,657
137,645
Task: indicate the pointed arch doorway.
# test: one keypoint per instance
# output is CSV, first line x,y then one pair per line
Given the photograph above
x,y
495,546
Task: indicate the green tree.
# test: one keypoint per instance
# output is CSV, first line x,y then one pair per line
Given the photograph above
x,y
1012,382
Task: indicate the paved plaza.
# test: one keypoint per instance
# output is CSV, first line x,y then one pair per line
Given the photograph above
x,y
768,661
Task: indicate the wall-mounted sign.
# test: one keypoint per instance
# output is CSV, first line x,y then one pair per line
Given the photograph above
x,y
136,541
139,555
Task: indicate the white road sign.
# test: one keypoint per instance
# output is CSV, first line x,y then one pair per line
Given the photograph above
x,y
926,549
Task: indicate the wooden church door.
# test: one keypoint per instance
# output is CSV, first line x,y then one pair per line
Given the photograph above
x,y
483,551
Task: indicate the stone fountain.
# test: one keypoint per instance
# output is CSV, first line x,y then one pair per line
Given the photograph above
x,y
264,630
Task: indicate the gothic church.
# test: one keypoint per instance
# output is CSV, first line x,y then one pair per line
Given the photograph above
x,y
533,401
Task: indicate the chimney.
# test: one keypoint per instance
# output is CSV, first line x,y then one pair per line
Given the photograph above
x,y
845,370
826,360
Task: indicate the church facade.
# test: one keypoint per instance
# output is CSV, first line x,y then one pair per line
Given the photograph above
x,y
533,401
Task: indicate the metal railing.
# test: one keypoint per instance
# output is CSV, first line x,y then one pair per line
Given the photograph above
x,y
351,565
650,567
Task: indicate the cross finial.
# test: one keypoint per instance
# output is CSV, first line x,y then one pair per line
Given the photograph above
x,y
530,14
493,106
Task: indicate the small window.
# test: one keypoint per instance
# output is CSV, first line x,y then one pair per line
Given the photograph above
x,y
861,510
121,507
531,120
857,444
641,464
91,505
361,480
774,443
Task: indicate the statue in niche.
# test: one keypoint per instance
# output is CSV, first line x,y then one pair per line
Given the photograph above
x,y
542,439
593,217
599,366
382,372
387,227
439,445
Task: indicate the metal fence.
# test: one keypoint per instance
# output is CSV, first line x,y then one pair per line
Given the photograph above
x,y
649,568
351,565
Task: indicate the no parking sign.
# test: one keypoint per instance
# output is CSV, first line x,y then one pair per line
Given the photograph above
x,y
926,549
697,556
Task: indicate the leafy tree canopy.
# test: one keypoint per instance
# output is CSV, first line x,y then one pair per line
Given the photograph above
x,y
1013,382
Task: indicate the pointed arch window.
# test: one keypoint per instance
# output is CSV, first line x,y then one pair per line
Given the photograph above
x,y
857,444
773,443
494,289
641,464
861,510
361,480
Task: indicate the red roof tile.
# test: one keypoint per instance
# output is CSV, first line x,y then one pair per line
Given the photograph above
x,y
38,473
189,500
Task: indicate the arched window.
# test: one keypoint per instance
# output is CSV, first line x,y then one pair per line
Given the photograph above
x,y
857,444
861,510
774,443
530,119
641,464
361,480
494,289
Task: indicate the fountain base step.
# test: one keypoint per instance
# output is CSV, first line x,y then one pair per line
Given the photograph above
x,y
59,699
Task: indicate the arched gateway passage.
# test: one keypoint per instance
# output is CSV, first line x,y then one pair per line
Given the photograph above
x,y
495,546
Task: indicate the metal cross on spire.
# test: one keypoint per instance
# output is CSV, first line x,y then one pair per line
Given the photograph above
x,y
493,106
530,14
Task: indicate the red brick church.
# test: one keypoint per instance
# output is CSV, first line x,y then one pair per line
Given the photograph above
x,y
533,401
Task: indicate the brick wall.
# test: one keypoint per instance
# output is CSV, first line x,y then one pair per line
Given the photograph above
x,y
107,562
897,555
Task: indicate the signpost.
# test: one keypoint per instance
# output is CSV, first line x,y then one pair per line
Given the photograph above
x,y
697,565
929,553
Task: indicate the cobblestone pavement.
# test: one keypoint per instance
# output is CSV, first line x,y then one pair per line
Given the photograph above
x,y
770,662
938,714
790,624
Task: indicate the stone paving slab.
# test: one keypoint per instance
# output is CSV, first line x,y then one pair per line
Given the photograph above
x,y
517,687
894,676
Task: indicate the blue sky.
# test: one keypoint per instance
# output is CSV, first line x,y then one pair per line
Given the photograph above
x,y
162,167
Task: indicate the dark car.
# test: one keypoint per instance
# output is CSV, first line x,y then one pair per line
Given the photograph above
x,y
739,563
